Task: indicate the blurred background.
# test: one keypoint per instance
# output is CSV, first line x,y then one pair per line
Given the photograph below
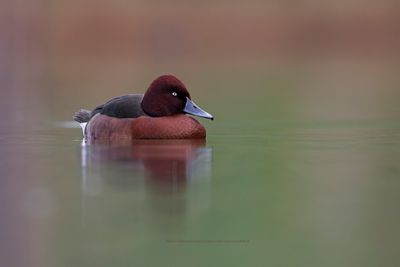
x,y
301,161
58,56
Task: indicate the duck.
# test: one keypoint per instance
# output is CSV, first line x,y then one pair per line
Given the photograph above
x,y
162,112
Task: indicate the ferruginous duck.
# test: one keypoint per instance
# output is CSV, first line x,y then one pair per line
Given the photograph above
x,y
161,113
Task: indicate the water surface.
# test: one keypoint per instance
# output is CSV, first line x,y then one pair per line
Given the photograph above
x,y
287,194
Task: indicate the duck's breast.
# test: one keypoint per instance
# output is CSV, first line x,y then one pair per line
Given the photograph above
x,y
103,127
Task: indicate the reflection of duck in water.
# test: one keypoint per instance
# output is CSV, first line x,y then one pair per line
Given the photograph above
x,y
158,114
157,182
162,163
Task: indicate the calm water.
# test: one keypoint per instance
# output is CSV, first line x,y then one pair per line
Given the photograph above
x,y
281,194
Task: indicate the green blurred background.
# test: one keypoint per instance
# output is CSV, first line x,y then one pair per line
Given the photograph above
x,y
301,162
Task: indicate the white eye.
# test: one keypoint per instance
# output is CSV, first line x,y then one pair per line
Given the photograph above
x,y
174,93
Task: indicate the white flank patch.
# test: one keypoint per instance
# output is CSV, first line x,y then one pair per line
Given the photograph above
x,y
83,126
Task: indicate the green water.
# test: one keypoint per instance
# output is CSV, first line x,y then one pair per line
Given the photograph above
x,y
281,195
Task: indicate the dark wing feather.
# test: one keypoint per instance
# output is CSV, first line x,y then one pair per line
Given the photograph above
x,y
126,106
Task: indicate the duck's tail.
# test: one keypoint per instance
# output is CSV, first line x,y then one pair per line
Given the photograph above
x,y
82,116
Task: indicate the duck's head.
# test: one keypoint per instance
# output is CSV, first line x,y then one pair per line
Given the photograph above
x,y
167,96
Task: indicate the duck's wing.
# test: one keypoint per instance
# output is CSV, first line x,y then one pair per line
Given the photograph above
x,y
125,106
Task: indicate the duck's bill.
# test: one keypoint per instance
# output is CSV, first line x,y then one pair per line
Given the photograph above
x,y
192,109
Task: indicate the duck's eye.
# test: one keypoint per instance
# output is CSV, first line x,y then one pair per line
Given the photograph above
x,y
174,93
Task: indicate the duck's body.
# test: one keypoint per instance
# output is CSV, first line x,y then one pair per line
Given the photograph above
x,y
158,114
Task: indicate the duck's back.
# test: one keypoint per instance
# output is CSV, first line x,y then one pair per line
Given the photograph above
x,y
125,106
